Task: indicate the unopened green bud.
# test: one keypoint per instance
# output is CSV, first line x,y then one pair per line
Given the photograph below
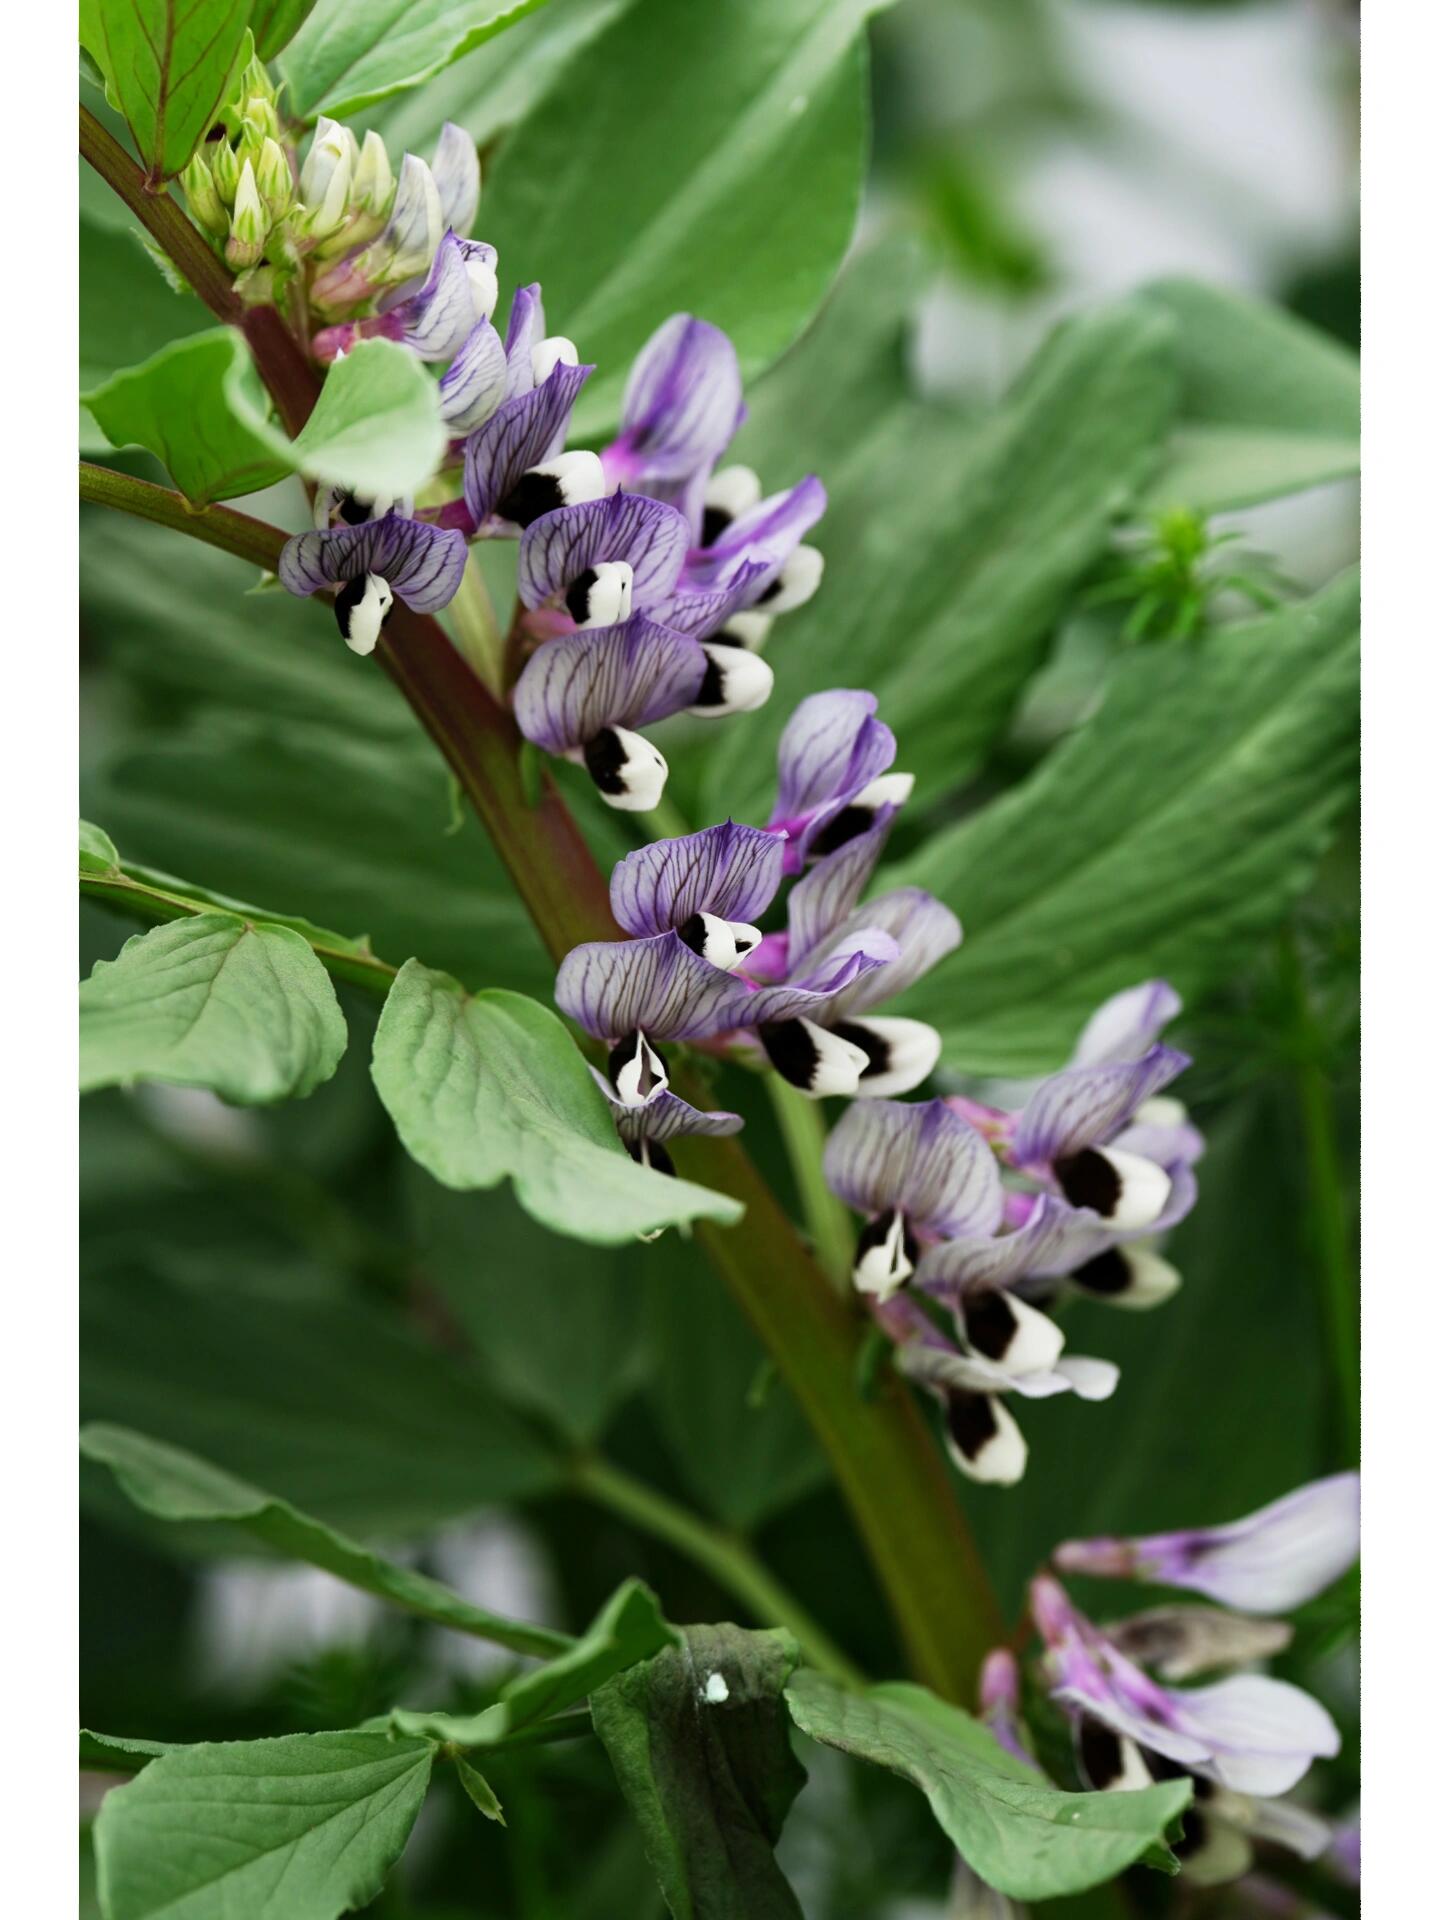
x,y
249,223
255,83
260,113
274,180
224,171
198,185
373,187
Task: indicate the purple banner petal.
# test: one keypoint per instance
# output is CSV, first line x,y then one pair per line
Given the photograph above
x,y
440,316
731,871
1054,1239
456,168
922,1159
423,564
767,536
524,332
1126,1025
822,901
922,927
619,676
683,403
518,435
1088,1106
831,749
648,537
813,995
657,987
473,385
704,614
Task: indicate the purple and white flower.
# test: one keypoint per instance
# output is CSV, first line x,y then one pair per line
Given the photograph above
x,y
515,466
435,318
981,1435
1269,1562
834,774
584,695
603,559
371,564
1242,1740
917,1174
708,887
683,403
738,528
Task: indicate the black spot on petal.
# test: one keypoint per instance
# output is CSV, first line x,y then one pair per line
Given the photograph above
x,y
577,595
1107,1274
531,495
605,761
650,1153
693,934
772,590
1102,1760
624,1051
970,1421
791,1051
989,1322
346,601
875,1049
713,523
724,639
352,511
875,1233
846,826
712,687
1087,1179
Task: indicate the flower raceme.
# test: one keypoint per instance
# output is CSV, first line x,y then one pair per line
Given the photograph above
x,y
1244,1739
649,576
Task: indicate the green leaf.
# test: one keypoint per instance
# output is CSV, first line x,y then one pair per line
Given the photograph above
x,y
1020,1835
245,1010
700,1746
951,544
174,1485
376,426
188,406
484,1085
479,1790
168,68
332,1404
160,896
1163,838
115,1753
741,1460
496,84
301,1828
628,1628
352,52
568,1344
716,168
1268,404
275,23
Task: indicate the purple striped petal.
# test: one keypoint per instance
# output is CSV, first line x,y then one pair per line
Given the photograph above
x,y
525,331
517,436
1126,1025
438,318
831,749
658,987
456,168
665,1116
1269,1562
423,564
473,385
921,1159
619,676
923,929
683,403
731,871
767,536
649,538
704,614
1054,1238
813,995
824,898
1087,1106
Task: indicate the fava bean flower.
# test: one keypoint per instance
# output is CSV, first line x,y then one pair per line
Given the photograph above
x,y
372,564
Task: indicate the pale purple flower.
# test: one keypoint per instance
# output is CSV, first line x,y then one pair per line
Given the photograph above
x,y
708,887
917,1173
403,250
372,563
1250,1733
473,386
834,761
682,406
456,172
514,467
766,536
1269,1562
583,696
603,559
999,1702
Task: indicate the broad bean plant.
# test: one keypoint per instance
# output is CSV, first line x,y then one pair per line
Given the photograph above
x,y
793,1068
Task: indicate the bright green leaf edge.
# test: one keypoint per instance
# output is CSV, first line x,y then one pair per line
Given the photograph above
x,y
375,64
